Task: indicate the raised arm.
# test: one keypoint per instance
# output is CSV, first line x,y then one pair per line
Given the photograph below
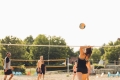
x,y
82,48
82,51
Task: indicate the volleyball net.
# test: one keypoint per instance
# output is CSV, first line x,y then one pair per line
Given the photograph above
x,y
2,44
33,63
56,55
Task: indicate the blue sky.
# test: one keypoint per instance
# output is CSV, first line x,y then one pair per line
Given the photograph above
x,y
22,18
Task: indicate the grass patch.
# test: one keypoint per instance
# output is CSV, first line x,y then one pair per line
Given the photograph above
x,y
1,72
31,70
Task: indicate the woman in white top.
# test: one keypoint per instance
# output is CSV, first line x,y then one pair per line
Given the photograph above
x,y
7,66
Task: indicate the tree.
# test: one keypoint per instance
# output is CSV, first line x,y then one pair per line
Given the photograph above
x,y
50,52
1,61
37,51
28,41
17,51
58,52
96,55
102,49
71,52
77,53
112,53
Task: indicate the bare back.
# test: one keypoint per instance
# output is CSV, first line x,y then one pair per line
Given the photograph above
x,y
82,53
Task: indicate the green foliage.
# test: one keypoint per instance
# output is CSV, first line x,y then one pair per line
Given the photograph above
x,y
34,52
17,51
1,61
53,52
28,41
112,53
102,50
77,53
96,55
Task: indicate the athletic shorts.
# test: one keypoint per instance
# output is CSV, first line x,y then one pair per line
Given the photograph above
x,y
82,70
8,72
39,72
43,71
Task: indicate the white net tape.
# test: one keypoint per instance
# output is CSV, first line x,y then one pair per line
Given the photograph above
x,y
54,45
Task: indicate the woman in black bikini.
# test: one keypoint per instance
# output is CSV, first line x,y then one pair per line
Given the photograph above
x,y
82,69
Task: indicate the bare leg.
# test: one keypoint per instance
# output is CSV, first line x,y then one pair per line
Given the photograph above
x,y
84,76
88,77
79,75
74,75
11,76
43,76
5,77
39,76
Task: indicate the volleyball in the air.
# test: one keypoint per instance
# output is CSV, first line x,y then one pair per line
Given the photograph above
x,y
82,26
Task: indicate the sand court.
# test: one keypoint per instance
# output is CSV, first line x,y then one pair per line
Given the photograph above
x,y
62,76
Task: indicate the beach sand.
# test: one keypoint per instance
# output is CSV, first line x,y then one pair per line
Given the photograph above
x,y
60,76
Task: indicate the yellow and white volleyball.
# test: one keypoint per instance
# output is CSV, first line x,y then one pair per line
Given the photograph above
x,y
82,26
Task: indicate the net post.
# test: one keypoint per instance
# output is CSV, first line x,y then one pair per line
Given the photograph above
x,y
68,65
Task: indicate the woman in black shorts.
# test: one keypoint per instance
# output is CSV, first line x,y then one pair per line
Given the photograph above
x,y
82,70
43,69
